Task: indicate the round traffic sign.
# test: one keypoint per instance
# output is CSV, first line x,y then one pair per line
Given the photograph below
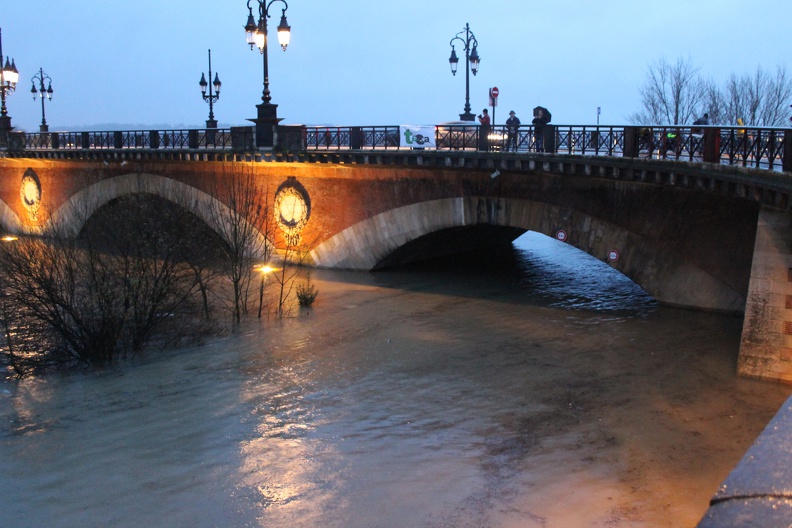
x,y
613,255
561,235
494,91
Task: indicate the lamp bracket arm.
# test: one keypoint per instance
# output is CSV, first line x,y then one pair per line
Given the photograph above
x,y
264,11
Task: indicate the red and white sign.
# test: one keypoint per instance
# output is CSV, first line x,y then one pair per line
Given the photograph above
x,y
613,255
561,235
494,92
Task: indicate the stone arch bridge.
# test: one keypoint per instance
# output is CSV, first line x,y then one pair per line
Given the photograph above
x,y
691,234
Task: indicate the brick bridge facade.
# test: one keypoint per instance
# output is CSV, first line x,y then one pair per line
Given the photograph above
x,y
690,234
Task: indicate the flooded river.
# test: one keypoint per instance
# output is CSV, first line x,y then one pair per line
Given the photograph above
x,y
548,392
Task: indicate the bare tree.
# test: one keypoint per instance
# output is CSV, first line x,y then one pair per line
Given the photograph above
x,y
157,258
241,216
761,99
292,257
65,297
673,94
714,103
104,294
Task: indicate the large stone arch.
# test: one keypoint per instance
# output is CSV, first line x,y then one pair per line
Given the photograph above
x,y
666,275
70,217
9,220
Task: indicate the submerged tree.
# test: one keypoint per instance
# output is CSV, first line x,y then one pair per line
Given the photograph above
x,y
106,293
240,214
165,256
291,258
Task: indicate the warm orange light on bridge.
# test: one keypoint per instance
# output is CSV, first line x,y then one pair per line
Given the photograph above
x,y
9,238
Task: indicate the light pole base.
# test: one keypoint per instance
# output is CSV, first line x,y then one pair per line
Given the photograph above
x,y
265,122
43,128
211,123
467,116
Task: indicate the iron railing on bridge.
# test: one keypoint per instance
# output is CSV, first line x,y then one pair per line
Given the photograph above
x,y
131,139
746,146
756,147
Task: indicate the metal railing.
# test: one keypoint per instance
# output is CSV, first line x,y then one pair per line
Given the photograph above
x,y
356,138
220,138
756,147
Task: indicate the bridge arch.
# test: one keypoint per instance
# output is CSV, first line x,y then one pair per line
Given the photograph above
x,y
666,275
70,217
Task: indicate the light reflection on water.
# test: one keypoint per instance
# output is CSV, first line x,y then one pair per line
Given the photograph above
x,y
466,394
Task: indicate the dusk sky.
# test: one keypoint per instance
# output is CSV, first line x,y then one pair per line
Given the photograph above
x,y
371,62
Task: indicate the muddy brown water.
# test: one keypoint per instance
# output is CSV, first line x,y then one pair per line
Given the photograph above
x,y
549,394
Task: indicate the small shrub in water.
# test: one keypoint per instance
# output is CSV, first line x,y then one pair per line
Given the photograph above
x,y
306,294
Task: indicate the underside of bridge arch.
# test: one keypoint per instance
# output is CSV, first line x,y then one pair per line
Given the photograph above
x,y
146,225
439,227
450,241
72,215
70,218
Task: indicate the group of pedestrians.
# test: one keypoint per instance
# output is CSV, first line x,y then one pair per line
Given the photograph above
x,y
541,119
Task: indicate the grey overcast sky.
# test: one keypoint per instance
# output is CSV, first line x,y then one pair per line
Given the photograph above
x,y
371,62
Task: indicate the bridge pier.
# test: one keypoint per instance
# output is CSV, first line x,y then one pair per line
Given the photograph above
x,y
766,344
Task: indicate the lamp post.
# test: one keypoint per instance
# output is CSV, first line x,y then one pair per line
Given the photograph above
x,y
45,93
8,79
469,44
212,97
257,37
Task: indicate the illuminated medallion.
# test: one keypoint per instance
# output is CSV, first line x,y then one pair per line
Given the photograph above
x,y
30,192
292,209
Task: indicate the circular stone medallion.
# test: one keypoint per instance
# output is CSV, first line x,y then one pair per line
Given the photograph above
x,y
292,207
30,193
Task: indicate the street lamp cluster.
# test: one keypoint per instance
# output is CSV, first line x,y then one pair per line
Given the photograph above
x,y
45,93
212,97
469,45
256,33
9,76
8,80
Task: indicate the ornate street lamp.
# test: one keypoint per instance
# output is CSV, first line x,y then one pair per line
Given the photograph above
x,y
469,45
45,93
8,80
257,37
212,97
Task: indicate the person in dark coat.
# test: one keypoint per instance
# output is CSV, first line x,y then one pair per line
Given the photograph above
x,y
484,129
703,120
512,129
541,118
